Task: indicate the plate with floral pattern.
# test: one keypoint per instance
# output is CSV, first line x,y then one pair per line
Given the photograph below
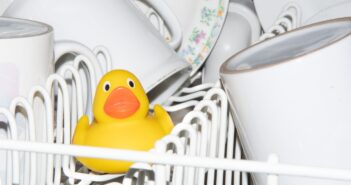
x,y
202,31
201,28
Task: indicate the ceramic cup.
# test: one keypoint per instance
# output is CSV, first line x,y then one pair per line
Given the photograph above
x,y
133,42
241,29
291,95
26,60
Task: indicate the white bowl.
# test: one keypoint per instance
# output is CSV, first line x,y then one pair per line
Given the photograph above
x,y
291,95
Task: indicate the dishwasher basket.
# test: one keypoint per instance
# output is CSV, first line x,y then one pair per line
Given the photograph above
x,y
202,149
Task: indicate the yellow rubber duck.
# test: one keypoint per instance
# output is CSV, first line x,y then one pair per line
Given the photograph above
x,y
121,120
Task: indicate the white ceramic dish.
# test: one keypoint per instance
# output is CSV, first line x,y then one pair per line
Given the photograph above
x,y
155,19
268,11
342,9
3,5
200,38
201,22
240,30
291,95
133,42
26,60
201,28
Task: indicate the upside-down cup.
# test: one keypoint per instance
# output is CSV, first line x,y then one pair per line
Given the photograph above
x,y
134,44
291,96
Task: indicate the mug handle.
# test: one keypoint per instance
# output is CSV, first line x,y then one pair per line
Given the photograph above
x,y
170,20
63,47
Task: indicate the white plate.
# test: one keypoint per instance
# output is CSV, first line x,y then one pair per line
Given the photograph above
x,y
202,31
268,11
201,22
339,10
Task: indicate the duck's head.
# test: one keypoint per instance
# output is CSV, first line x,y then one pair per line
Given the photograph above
x,y
119,95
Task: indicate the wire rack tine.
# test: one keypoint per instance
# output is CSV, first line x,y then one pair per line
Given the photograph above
x,y
29,166
13,156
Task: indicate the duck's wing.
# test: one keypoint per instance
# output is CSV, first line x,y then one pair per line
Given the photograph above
x,y
163,118
81,131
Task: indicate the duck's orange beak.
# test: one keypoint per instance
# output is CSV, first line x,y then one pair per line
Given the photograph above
x,y
121,103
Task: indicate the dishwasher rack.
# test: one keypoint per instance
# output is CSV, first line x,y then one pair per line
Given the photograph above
x,y
202,149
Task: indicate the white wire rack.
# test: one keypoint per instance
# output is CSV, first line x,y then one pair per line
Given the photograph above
x,y
202,149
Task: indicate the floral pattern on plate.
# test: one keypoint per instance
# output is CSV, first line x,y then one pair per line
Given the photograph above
x,y
201,38
204,34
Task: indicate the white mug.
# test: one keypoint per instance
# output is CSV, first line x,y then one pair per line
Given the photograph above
x,y
134,43
291,95
26,60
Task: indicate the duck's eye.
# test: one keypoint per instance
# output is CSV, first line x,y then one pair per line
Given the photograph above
x,y
107,86
131,83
